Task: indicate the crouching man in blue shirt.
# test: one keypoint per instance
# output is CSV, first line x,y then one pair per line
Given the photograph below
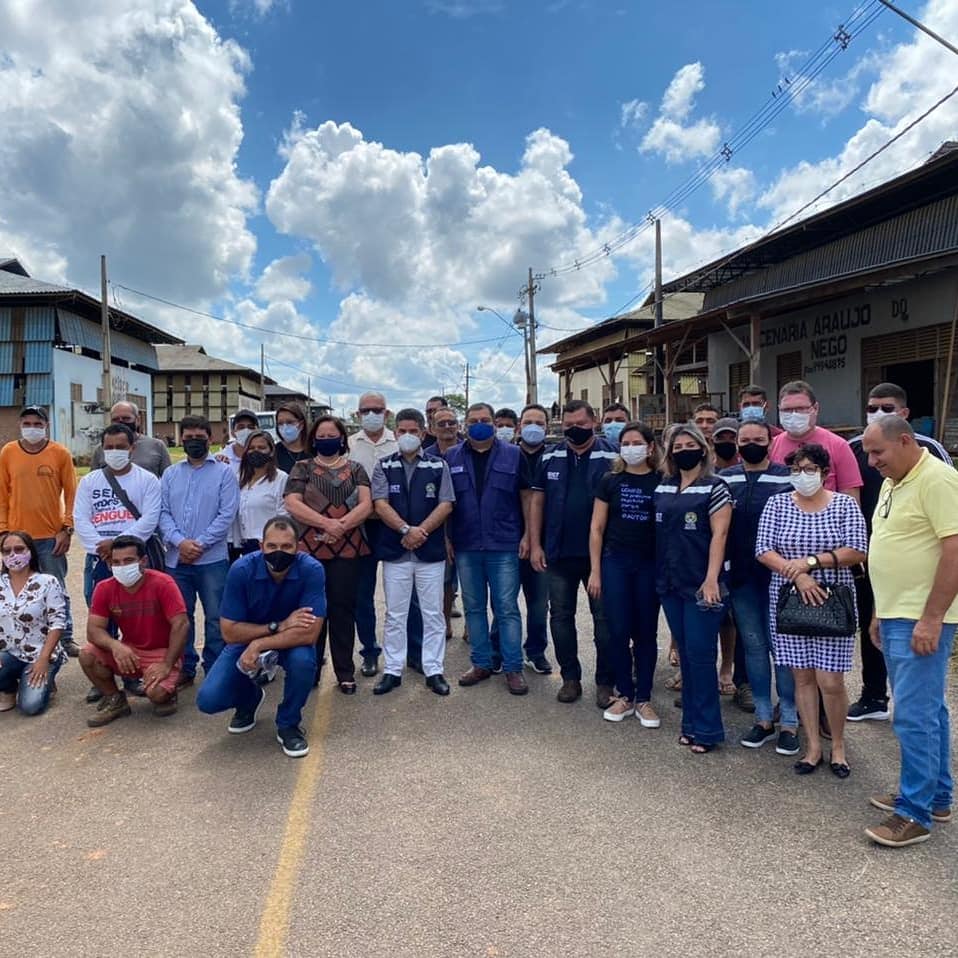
x,y
274,600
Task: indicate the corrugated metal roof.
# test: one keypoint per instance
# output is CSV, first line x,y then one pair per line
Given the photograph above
x,y
16,285
39,358
77,331
6,358
193,359
6,390
39,390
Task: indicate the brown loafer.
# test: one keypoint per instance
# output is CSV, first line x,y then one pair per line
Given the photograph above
x,y
604,696
516,683
570,691
474,676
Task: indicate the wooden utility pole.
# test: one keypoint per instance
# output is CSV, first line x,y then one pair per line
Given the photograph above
x,y
531,342
106,348
658,380
262,374
467,385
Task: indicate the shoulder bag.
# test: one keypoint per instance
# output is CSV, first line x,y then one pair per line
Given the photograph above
x,y
835,618
155,550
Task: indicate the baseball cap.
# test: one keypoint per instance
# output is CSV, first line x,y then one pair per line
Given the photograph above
x,y
34,411
725,424
246,414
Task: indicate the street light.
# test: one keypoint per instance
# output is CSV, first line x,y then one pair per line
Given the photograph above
x,y
520,320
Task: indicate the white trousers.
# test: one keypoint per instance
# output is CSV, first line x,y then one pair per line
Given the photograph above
x,y
398,580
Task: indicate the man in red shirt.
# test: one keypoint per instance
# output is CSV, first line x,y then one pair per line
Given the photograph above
x,y
148,609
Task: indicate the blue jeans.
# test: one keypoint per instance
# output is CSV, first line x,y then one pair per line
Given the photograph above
x,y
206,582
56,566
225,687
695,632
921,719
13,678
491,574
95,570
750,608
535,588
631,607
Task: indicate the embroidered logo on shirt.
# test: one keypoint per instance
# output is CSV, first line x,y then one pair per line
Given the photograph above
x,y
395,487
457,469
691,521
430,490
552,475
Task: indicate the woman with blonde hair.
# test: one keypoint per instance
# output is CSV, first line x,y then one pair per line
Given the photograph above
x,y
622,554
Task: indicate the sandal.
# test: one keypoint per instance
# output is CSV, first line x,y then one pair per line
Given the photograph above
x,y
726,688
701,748
673,657
840,769
686,740
347,688
674,684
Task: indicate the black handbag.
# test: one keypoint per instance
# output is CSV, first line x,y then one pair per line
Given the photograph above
x,y
155,550
835,618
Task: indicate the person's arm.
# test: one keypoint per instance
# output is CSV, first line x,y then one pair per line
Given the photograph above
x,y
83,516
848,475
164,458
96,634
218,530
361,511
4,492
600,518
297,624
719,522
525,501
56,617
168,527
944,588
537,555
68,480
149,508
179,630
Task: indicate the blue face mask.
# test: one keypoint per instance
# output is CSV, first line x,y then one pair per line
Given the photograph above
x,y
328,447
612,430
481,431
533,434
752,414
289,431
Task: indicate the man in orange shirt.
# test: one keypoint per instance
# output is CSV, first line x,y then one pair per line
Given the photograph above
x,y
37,486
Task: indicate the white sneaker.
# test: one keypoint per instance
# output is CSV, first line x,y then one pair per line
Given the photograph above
x,y
619,709
8,700
647,715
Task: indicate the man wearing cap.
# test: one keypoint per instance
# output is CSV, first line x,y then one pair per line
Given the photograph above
x,y
245,422
37,487
148,453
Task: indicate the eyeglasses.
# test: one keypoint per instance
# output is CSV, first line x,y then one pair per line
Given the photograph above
x,y
447,424
808,470
889,408
375,409
801,409
884,507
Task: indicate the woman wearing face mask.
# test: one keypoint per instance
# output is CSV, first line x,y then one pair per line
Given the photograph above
x,y
32,617
261,488
693,509
622,554
799,536
291,427
753,483
329,496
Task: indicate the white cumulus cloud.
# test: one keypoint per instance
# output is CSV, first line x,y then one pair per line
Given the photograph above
x,y
671,134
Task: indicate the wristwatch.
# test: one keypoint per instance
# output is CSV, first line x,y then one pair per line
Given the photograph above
x,y
813,562
273,628
404,528
68,530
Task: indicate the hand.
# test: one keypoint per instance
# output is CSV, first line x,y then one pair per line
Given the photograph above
x,y
190,550
154,674
127,661
415,538
61,543
794,568
810,591
248,660
538,559
874,633
925,636
594,588
334,529
103,548
37,676
524,547
711,593
300,619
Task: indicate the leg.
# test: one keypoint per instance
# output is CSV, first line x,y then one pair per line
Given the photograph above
x,y
366,595
57,566
604,672
11,669
750,606
673,607
299,664
184,579
646,616
33,701
535,588
563,591
97,671
806,696
832,685
701,635
429,584
475,598
617,597
397,583
210,581
502,571
727,643
225,687
414,631
342,577
740,675
874,672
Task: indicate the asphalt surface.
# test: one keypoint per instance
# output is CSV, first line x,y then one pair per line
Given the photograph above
x,y
477,825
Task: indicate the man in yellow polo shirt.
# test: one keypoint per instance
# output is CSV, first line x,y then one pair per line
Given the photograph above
x,y
913,566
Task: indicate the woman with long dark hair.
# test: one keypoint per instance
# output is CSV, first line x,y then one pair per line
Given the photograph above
x,y
261,487
293,444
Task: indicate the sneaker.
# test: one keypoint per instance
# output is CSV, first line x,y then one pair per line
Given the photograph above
x,y
293,741
788,743
496,665
165,709
621,708
647,715
8,701
757,736
941,816
246,721
111,707
744,698
868,709
540,664
897,832
71,648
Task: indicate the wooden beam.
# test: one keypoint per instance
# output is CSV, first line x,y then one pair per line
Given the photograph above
x,y
741,345
755,327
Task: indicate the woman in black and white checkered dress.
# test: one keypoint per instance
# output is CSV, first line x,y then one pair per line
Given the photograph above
x,y
797,535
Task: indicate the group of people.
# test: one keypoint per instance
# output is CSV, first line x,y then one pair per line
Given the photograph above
x,y
728,525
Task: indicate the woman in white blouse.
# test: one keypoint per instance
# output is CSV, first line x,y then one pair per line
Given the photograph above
x,y
32,617
261,493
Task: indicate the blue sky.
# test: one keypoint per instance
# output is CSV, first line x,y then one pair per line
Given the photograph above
x,y
369,172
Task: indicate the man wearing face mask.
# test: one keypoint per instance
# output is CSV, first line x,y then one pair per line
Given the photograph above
x,y
886,399
372,443
148,453
245,423
559,522
753,406
199,498
614,418
506,421
724,444
798,412
37,487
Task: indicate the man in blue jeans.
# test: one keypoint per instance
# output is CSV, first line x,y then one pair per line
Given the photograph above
x,y
485,530
274,601
199,498
913,566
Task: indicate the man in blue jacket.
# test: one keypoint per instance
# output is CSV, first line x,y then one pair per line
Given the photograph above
x,y
560,517
491,482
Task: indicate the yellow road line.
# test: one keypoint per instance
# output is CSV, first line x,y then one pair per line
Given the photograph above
x,y
274,924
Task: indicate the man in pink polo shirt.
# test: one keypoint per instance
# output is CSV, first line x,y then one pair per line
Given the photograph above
x,y
798,415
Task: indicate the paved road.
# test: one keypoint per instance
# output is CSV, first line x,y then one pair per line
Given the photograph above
x,y
478,825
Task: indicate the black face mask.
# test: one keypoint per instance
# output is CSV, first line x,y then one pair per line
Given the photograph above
x,y
578,435
687,459
196,448
328,447
279,561
257,459
752,452
725,450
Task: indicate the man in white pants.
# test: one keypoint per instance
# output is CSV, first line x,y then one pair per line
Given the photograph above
x,y
413,496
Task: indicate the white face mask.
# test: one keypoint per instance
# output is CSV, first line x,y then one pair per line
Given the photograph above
x,y
373,421
409,443
634,455
116,459
33,433
795,423
505,433
873,417
128,575
806,485
241,435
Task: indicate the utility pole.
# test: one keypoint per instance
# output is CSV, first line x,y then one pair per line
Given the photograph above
x,y
262,374
309,396
467,385
531,342
920,26
106,348
658,386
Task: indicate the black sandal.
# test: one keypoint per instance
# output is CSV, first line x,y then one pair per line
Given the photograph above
x,y
702,748
347,688
840,769
806,768
686,740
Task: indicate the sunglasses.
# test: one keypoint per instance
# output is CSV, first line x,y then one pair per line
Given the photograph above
x,y
375,409
883,407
